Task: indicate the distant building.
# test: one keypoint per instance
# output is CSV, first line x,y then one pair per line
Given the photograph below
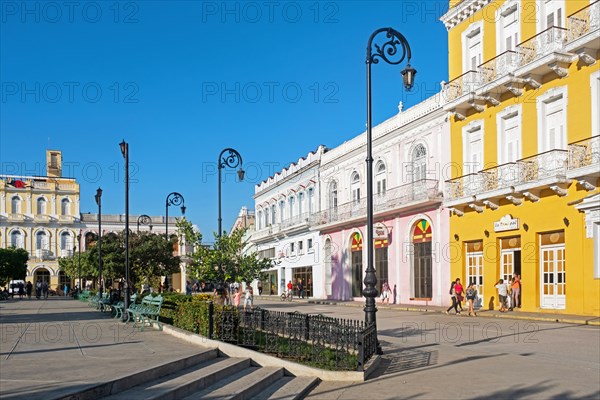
x,y
244,220
41,214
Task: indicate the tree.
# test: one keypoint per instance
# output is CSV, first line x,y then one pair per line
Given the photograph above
x,y
226,261
13,264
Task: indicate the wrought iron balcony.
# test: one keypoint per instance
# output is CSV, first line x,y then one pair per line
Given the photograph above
x,y
547,42
393,199
296,221
539,170
498,67
584,21
585,153
463,85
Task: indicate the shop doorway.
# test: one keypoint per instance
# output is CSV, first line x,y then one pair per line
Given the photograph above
x,y
357,264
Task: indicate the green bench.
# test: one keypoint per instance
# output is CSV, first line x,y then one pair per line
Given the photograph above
x,y
119,307
146,312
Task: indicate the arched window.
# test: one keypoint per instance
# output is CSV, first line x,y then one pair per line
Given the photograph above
x,y
311,198
65,207
15,204
333,196
380,178
41,206
66,242
266,215
259,219
419,163
273,214
355,187
281,211
300,201
291,204
16,239
41,241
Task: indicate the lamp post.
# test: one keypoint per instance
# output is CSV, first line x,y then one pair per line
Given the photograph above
x,y
232,159
79,259
125,152
396,41
173,199
143,220
99,202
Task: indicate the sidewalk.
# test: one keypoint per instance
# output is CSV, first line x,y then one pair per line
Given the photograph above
x,y
516,314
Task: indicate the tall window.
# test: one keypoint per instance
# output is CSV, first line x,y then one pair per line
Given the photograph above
x,y
41,206
473,148
41,241
291,201
281,210
472,48
300,201
419,163
266,215
474,268
357,264
273,216
509,135
16,239
552,120
65,207
507,26
66,242
333,196
260,220
380,178
551,13
355,187
311,199
15,204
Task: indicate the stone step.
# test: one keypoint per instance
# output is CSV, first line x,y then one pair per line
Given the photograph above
x,y
185,382
289,388
240,386
146,375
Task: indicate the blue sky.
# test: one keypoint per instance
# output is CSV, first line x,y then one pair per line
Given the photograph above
x,y
182,80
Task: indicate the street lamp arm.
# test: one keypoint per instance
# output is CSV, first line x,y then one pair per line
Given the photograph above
x,y
174,199
231,160
388,49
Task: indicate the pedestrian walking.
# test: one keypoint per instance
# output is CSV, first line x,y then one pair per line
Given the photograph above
x,y
300,289
29,289
259,287
471,292
458,287
237,297
38,289
249,298
454,305
45,289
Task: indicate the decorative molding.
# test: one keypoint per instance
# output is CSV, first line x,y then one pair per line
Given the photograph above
x,y
585,55
587,185
475,207
491,205
532,197
561,69
517,201
462,11
558,190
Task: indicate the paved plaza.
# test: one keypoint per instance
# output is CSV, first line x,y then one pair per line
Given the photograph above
x,y
55,346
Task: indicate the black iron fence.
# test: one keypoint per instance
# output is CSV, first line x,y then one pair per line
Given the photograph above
x,y
316,340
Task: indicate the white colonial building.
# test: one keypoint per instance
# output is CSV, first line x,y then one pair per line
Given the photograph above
x,y
284,205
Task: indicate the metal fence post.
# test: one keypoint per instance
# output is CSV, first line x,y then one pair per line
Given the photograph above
x,y
361,350
211,314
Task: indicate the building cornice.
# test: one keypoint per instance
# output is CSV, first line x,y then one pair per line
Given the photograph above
x,y
462,11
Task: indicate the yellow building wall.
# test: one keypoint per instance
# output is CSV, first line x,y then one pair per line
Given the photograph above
x,y
583,291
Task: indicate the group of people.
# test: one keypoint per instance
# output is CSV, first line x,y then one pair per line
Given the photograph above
x,y
299,288
509,293
224,295
457,295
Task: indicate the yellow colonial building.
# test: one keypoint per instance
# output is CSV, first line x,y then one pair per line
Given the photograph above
x,y
524,95
41,215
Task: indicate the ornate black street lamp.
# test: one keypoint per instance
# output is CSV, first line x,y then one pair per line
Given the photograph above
x,y
388,52
232,159
143,220
173,199
99,202
125,152
79,259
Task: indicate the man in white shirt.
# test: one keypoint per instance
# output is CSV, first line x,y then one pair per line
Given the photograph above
x,y
502,293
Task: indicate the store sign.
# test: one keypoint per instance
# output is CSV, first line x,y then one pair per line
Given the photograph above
x,y
506,223
380,231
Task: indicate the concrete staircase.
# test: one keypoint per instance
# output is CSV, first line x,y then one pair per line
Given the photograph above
x,y
208,375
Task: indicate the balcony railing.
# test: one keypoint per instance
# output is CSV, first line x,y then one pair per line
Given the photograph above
x,y
584,153
548,41
584,21
41,218
536,168
67,186
464,84
545,165
16,217
392,199
66,253
498,66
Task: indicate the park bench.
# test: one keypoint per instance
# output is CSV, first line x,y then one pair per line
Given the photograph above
x,y
118,308
146,312
97,302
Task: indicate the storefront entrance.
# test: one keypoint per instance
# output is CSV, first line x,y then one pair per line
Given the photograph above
x,y
304,275
553,271
269,284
